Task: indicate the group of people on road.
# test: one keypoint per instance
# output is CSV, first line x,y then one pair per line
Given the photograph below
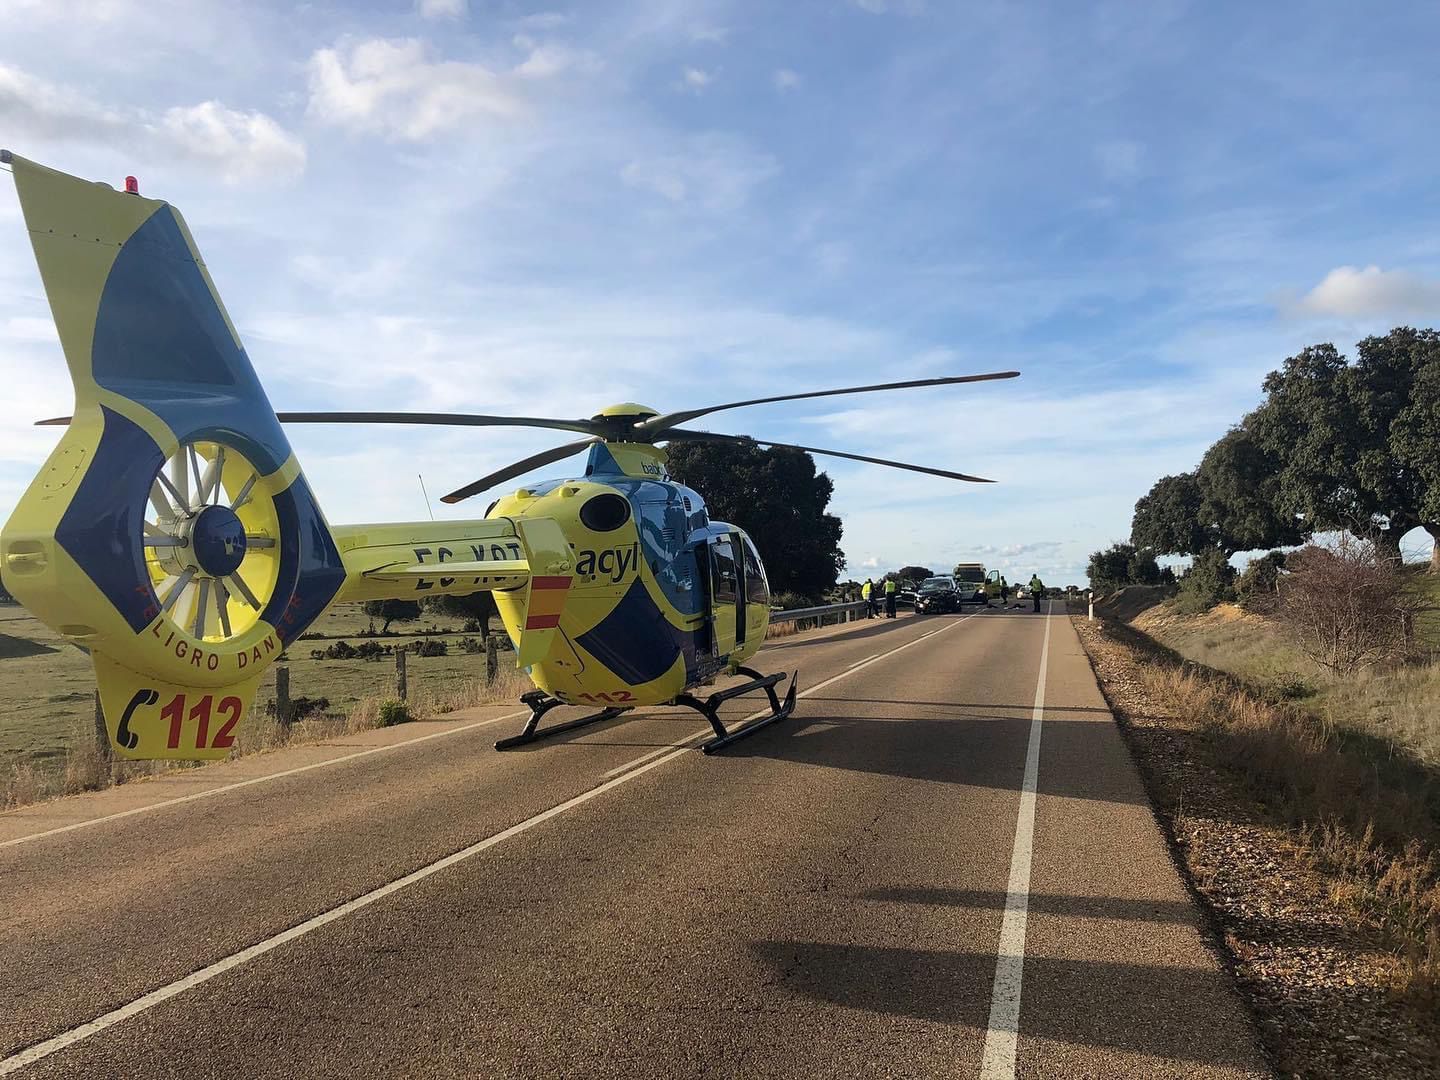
x,y
872,606
1036,587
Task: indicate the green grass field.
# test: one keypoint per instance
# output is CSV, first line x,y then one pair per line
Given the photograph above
x,y
47,687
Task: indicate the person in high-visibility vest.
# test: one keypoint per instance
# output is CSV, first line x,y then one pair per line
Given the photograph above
x,y
890,599
1037,587
865,594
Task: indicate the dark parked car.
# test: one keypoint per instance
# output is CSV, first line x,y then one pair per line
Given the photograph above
x,y
937,595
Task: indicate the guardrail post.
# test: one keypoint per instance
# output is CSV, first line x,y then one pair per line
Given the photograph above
x,y
282,696
102,736
492,660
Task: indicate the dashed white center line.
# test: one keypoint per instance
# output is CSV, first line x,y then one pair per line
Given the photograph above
x,y
998,1062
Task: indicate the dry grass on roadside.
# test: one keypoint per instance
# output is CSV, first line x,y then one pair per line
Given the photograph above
x,y
1399,702
86,769
26,784
509,684
1369,815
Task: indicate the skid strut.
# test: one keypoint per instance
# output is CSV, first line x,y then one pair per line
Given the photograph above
x,y
709,708
540,703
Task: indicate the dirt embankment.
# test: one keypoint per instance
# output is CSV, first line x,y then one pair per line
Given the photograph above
x,y
1332,929
1125,604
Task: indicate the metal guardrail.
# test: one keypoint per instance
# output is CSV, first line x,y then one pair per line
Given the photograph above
x,y
855,606
851,610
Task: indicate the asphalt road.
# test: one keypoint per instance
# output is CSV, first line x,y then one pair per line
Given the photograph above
x,y
869,888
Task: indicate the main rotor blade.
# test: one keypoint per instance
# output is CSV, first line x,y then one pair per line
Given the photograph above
x,y
589,427
657,426
519,468
706,436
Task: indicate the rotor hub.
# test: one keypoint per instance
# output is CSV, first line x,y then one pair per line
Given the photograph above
x,y
217,540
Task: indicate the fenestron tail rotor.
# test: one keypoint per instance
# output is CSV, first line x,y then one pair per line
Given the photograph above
x,y
209,541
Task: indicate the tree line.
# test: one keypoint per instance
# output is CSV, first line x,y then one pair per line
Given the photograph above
x,y
1336,445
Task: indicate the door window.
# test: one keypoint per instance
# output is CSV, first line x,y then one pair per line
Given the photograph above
x,y
727,582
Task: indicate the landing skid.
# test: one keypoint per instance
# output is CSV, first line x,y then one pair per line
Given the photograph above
x,y
540,703
709,708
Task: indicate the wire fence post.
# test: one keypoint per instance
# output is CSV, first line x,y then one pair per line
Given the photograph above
x,y
492,659
282,696
401,686
102,735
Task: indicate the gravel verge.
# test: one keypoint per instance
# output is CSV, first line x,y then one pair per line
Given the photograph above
x,y
1318,978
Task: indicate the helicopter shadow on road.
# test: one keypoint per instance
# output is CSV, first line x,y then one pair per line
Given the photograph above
x,y
959,748
1162,1011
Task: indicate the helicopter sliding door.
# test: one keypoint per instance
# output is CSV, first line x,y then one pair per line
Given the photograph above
x,y
727,595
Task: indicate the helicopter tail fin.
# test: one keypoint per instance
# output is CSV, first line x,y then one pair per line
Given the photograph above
x,y
171,533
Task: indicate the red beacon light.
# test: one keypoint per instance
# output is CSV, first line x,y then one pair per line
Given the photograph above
x,y
132,186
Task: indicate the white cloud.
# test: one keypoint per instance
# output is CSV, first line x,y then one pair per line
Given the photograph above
x,y
393,88
697,79
442,9
785,79
236,145
239,146
37,108
713,171
1348,291
545,60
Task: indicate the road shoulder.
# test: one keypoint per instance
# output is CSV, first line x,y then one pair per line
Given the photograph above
x,y
1318,981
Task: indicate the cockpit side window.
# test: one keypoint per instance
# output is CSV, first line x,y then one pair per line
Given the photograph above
x,y
757,590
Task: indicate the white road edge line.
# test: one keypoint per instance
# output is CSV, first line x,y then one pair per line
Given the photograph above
x,y
998,1061
255,780
40,1050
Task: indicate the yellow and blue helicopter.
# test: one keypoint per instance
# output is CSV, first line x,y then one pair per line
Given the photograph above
x,y
172,534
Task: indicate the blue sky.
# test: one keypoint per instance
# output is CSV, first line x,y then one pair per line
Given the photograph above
x,y
513,207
